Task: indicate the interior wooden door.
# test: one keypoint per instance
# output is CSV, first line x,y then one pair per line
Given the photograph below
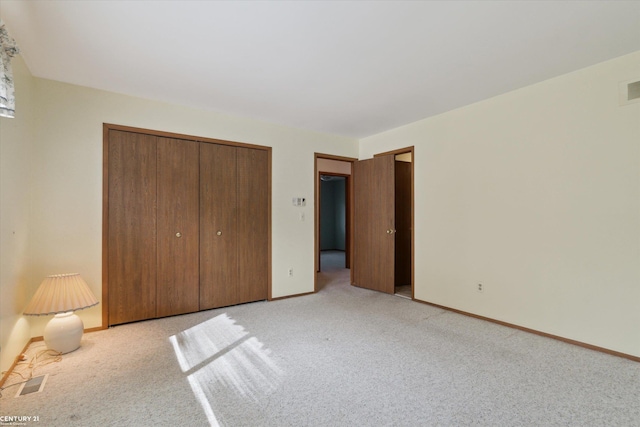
x,y
253,224
178,213
374,224
131,226
218,225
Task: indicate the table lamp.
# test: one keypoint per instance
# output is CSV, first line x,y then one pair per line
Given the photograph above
x,y
61,294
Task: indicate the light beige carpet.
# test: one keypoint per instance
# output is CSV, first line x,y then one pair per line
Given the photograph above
x,y
342,357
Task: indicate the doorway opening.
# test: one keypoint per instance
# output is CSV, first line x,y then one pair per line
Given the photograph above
x,y
403,227
333,216
333,221
379,221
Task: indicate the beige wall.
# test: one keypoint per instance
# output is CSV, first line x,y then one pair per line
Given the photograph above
x,y
65,221
16,140
536,195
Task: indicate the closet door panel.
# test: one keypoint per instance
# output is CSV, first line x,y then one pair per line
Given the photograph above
x,y
253,226
218,226
178,227
132,226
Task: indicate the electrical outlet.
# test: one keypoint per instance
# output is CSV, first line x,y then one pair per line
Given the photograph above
x,y
480,287
291,272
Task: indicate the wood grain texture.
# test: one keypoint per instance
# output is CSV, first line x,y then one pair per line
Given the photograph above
x,y
178,287
218,213
132,227
182,136
253,224
362,172
374,253
157,184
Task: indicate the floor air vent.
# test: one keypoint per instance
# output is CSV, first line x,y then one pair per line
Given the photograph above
x,y
34,385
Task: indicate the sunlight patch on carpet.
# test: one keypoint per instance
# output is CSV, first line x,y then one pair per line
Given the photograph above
x,y
203,341
219,357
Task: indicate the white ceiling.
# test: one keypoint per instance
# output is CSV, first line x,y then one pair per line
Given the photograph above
x,y
352,68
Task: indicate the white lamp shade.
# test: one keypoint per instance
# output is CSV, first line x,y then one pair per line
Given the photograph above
x,y
61,293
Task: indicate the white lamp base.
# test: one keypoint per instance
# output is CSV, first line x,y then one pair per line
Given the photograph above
x,y
64,332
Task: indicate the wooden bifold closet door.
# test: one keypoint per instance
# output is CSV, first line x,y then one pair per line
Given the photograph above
x,y
178,238
253,224
234,225
187,225
132,227
219,230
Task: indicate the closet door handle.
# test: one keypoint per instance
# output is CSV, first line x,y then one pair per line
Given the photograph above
x,y
178,235
219,233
